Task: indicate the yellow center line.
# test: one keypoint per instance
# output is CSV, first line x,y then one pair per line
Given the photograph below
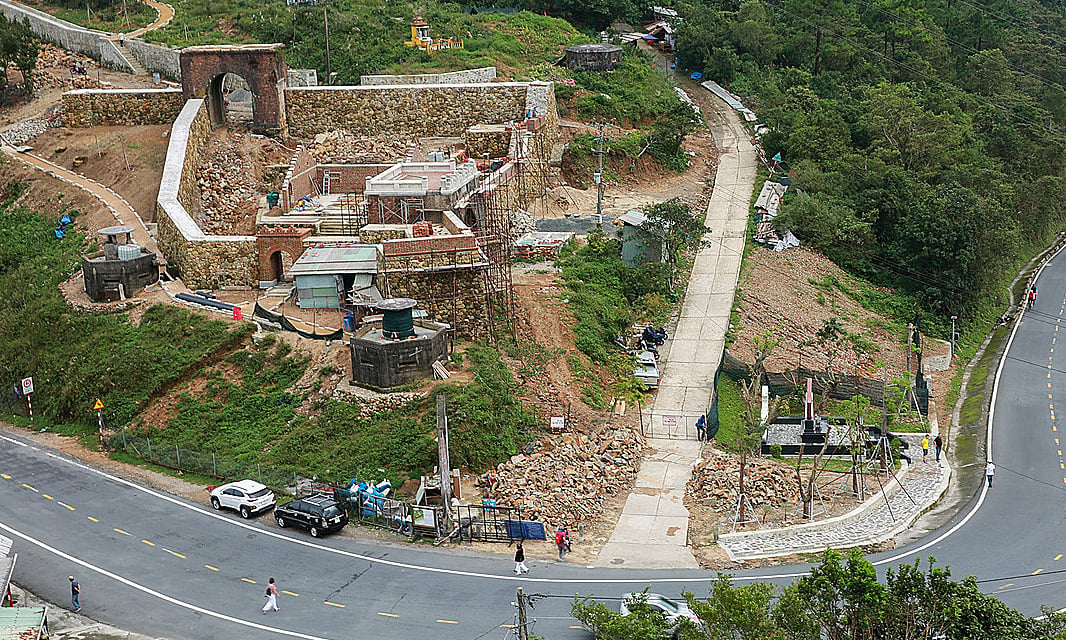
x,y
93,519
1009,584
1062,465
333,604
1058,557
576,626
1037,571
174,553
63,504
207,566
45,495
148,542
388,615
5,476
125,533
290,593
30,488
247,580
448,621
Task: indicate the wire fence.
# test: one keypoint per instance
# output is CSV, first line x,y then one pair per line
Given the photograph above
x,y
208,464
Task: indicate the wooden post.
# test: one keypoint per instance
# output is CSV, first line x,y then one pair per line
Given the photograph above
x,y
523,631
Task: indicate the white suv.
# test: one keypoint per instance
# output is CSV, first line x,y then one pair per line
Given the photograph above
x,y
245,496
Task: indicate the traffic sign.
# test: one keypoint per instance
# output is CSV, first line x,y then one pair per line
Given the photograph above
x,y
27,386
99,405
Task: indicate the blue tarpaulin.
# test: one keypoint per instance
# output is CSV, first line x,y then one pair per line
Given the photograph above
x,y
525,530
696,75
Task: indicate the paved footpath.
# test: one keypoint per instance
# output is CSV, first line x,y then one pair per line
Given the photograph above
x,y
873,522
652,531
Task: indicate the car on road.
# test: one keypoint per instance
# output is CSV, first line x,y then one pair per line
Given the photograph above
x,y
674,610
246,497
319,514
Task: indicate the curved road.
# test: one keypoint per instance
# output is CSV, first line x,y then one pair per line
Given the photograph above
x,y
158,565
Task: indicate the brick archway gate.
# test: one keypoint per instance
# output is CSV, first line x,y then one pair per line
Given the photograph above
x,y
261,65
278,248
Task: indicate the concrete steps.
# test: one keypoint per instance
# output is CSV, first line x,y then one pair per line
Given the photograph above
x,y
138,68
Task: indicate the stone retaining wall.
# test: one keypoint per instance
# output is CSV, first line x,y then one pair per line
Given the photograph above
x,y
458,299
201,260
89,107
467,76
156,58
421,111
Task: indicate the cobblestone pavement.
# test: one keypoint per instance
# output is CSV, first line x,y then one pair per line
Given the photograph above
x,y
875,521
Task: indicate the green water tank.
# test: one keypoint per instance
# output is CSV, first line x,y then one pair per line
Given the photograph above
x,y
397,320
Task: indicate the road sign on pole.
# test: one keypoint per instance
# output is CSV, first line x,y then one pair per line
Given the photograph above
x,y
99,405
27,390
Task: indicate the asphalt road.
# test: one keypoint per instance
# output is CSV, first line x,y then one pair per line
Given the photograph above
x,y
161,566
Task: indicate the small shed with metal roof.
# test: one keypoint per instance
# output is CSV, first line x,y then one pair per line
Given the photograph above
x,y
638,245
324,275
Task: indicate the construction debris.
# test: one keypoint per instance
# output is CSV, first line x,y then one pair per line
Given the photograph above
x,y
566,478
344,147
228,191
25,131
715,481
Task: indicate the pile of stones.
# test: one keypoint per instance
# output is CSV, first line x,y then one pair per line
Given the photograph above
x,y
343,147
567,478
227,189
716,480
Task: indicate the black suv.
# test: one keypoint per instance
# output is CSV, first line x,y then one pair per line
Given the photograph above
x,y
319,514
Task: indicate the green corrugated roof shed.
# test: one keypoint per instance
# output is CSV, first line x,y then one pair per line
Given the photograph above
x,y
23,623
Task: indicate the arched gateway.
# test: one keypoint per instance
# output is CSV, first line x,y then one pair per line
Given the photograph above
x,y
261,65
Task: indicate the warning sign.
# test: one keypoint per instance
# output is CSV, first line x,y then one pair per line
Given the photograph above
x,y
27,386
669,421
99,405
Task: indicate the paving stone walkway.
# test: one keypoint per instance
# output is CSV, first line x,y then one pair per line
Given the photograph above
x,y
920,485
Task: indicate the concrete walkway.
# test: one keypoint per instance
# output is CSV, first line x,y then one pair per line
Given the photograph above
x,y
652,531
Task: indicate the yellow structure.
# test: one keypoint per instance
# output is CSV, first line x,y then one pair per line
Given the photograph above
x,y
420,38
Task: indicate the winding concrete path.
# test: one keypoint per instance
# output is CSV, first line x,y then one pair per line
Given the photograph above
x,y
166,14
652,530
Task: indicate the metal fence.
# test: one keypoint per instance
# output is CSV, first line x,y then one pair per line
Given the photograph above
x,y
488,523
208,464
675,426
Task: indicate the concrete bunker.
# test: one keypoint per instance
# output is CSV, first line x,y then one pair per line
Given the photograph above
x,y
120,269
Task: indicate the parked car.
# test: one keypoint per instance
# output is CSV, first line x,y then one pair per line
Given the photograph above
x,y
674,610
246,497
319,514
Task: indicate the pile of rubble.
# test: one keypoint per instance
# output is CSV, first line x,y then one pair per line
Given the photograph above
x,y
715,481
227,187
51,56
370,403
25,131
522,222
344,147
566,478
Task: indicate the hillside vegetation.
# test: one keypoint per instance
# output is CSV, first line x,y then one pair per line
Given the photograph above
x,y
925,139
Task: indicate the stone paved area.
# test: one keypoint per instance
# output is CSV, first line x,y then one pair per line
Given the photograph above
x,y
873,522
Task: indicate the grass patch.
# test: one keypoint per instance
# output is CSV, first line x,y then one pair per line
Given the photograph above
x,y
730,414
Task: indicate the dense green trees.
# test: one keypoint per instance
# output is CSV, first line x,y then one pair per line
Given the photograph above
x,y
18,47
925,139
841,599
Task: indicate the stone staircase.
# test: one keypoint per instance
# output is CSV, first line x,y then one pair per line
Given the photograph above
x,y
138,68
337,225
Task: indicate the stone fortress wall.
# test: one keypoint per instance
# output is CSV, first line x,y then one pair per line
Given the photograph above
x,y
124,107
466,76
95,44
201,260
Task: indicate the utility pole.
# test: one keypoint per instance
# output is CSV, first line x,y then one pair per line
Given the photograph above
x,y
523,631
598,178
953,318
325,20
444,463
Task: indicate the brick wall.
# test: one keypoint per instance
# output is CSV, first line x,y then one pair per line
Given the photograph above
x,y
349,178
298,181
89,107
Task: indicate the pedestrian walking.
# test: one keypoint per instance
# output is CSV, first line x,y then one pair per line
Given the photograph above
x,y
1032,296
560,541
271,596
939,443
75,591
520,560
701,428
925,448
990,472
